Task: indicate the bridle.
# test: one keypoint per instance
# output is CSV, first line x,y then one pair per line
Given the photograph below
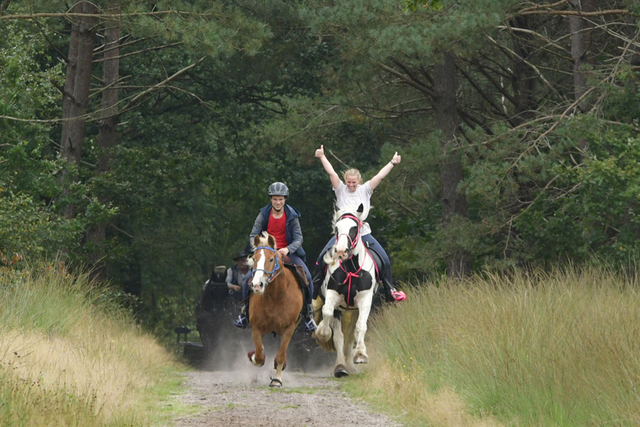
x,y
352,242
276,268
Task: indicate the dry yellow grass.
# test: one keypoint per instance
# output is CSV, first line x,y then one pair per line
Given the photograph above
x,y
89,366
107,375
399,387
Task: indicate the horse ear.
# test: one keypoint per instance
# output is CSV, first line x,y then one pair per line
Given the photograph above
x,y
360,208
271,241
256,241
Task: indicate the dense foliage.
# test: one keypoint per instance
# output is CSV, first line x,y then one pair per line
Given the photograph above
x,y
216,100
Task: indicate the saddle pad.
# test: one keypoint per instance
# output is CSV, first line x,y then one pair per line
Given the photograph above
x,y
298,271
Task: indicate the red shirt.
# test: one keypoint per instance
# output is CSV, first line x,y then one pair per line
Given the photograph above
x,y
277,227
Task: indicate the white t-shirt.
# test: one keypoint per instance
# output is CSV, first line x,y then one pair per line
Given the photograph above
x,y
346,198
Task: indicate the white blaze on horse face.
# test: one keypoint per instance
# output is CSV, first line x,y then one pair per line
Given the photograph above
x,y
343,241
342,246
260,279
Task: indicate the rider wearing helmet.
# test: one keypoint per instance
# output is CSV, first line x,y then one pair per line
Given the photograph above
x,y
282,222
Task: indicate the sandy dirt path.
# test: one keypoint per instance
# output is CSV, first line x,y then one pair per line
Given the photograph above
x,y
234,393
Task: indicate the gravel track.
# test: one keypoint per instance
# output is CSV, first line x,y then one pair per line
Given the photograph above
x,y
232,392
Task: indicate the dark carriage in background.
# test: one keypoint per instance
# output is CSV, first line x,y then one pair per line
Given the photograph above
x,y
216,309
215,312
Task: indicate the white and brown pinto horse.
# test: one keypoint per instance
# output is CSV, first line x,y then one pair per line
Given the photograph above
x,y
274,304
347,290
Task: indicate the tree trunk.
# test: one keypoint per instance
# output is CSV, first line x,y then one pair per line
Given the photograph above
x,y
524,80
107,137
76,96
454,203
580,44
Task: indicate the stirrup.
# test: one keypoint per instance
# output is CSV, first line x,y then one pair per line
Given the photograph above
x,y
241,322
397,296
310,325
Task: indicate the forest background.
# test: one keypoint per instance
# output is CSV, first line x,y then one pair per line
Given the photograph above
x,y
139,138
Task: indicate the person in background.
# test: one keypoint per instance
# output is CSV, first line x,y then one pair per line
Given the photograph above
x,y
352,192
282,222
237,274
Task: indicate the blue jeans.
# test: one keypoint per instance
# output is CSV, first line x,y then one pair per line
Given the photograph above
x,y
295,259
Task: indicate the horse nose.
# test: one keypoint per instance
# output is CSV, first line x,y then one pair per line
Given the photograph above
x,y
343,254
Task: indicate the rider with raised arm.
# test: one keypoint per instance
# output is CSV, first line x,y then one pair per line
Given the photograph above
x,y
352,192
282,222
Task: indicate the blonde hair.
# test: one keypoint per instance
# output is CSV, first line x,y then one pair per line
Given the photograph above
x,y
352,172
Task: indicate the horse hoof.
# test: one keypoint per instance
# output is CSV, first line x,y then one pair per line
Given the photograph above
x,y
340,372
275,383
322,334
361,358
252,358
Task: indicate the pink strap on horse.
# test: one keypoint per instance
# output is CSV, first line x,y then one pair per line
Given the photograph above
x,y
352,242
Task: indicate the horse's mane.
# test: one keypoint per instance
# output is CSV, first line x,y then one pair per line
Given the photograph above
x,y
353,210
263,239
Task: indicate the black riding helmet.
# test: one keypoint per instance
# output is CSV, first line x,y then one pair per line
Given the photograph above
x,y
278,189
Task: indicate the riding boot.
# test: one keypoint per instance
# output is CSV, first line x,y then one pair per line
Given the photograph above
x,y
391,293
242,321
310,323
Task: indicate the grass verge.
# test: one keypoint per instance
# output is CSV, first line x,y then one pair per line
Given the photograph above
x,y
70,357
536,349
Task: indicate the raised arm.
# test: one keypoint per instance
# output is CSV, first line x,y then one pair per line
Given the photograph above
x,y
375,181
335,179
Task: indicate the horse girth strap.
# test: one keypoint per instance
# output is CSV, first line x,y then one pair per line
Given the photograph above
x,y
352,275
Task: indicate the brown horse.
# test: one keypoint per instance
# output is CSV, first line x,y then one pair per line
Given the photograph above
x,y
275,303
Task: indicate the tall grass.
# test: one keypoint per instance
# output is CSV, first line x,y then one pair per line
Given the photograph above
x,y
70,357
537,349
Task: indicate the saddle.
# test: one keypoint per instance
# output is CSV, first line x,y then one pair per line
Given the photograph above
x,y
298,272
377,259
301,278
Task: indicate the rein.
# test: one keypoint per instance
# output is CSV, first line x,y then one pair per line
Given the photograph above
x,y
276,268
353,244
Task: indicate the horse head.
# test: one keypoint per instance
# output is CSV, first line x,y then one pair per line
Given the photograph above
x,y
346,226
264,261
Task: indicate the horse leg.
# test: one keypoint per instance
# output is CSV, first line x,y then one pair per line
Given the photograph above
x,y
340,368
348,330
281,357
364,308
323,331
257,356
